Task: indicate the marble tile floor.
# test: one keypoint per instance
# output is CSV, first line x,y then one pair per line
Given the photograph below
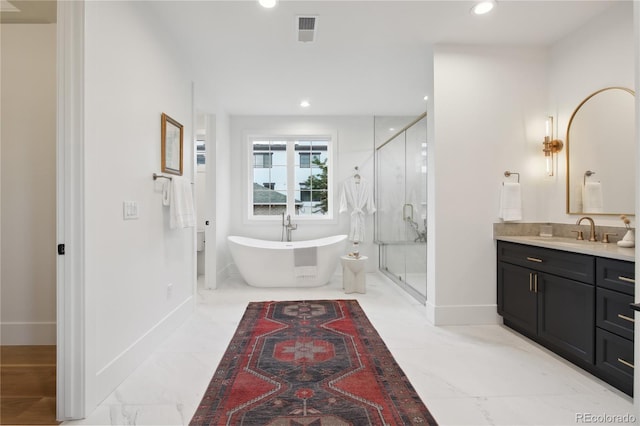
x,y
466,375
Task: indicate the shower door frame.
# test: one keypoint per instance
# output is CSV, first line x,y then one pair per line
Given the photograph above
x,y
382,252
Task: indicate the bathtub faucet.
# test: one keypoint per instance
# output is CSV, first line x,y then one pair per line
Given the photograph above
x,y
288,226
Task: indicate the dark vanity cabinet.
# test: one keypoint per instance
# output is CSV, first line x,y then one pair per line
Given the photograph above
x,y
575,304
614,322
549,295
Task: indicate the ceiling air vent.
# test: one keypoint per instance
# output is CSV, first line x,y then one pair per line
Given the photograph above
x,y
307,28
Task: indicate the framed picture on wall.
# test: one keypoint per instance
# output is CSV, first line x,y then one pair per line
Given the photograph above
x,y
172,134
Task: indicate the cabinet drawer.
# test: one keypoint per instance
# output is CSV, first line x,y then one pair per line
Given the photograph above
x,y
613,312
616,274
614,360
574,266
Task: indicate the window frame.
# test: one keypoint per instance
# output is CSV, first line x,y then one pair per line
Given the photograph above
x,y
290,139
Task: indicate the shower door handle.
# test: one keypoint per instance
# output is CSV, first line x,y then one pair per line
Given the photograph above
x,y
406,217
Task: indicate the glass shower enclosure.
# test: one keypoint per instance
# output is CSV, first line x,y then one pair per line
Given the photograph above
x,y
401,201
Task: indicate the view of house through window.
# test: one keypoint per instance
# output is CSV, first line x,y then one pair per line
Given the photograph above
x,y
290,175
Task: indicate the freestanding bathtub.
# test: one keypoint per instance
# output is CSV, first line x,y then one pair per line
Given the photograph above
x,y
287,264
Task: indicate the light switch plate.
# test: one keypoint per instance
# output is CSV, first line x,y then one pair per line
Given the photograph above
x,y
129,210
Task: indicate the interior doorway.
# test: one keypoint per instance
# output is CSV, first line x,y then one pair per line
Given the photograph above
x,y
28,164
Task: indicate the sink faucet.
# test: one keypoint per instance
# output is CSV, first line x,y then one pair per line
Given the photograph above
x,y
592,231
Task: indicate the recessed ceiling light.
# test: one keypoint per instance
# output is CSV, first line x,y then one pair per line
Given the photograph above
x,y
426,97
392,129
483,7
267,3
305,104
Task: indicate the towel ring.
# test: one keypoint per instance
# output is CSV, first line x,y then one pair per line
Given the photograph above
x,y
508,174
587,174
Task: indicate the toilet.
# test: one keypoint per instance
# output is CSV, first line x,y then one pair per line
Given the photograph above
x,y
353,274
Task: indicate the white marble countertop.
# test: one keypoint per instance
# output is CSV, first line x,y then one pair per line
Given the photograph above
x,y
610,250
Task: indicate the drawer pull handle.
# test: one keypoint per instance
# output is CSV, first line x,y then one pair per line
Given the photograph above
x,y
628,364
534,259
624,317
629,280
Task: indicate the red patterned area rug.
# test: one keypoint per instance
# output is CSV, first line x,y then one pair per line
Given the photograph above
x,y
311,363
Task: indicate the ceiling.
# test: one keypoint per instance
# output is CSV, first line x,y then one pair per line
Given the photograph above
x,y
369,57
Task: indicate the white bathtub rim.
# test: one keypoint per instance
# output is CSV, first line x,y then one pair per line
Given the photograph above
x,y
286,245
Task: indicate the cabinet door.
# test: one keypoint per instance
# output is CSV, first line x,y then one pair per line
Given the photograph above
x,y
516,298
566,316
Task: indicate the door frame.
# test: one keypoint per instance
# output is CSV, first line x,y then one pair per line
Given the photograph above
x,y
210,227
71,384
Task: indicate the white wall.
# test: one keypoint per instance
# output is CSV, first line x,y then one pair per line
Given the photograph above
x,y
225,175
600,54
354,147
488,106
28,311
133,73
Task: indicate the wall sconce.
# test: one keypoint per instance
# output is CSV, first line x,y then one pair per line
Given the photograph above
x,y
550,146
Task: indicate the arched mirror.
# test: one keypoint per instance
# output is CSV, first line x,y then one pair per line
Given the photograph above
x,y
601,154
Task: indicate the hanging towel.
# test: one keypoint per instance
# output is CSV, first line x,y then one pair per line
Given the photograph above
x,y
592,197
305,262
357,195
510,202
181,210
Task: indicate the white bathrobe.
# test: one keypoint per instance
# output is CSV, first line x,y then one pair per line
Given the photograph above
x,y
356,194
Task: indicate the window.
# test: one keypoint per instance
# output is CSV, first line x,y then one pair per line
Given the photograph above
x,y
290,175
307,159
262,160
201,152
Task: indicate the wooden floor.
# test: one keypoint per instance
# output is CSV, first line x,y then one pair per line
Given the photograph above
x,y
28,385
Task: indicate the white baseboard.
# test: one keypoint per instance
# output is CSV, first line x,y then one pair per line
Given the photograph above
x,y
28,333
462,314
110,376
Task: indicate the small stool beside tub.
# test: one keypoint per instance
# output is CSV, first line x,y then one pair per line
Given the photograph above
x,y
354,274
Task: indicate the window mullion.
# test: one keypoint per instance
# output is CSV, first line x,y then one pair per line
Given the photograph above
x,y
291,161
